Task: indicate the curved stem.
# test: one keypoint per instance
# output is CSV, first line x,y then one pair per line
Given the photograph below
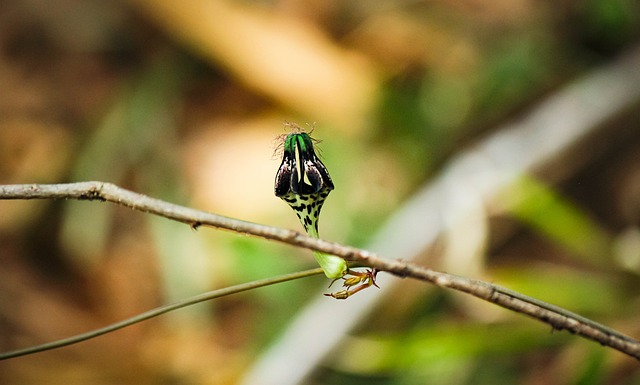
x,y
159,311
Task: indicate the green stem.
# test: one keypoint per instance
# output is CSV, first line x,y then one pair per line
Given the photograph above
x,y
333,267
159,311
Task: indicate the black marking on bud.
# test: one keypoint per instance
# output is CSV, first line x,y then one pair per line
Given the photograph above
x,y
313,178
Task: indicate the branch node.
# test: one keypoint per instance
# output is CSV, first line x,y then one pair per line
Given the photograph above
x,y
93,193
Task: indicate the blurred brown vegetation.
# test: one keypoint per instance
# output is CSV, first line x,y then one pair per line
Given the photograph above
x,y
184,100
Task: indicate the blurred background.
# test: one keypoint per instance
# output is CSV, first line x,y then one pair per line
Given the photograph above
x,y
185,101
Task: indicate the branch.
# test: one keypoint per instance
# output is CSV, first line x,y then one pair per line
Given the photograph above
x,y
557,317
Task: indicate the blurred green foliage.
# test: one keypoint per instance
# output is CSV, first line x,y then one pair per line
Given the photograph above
x,y
138,104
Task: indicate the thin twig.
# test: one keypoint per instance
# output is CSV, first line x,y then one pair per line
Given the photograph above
x,y
159,311
557,317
